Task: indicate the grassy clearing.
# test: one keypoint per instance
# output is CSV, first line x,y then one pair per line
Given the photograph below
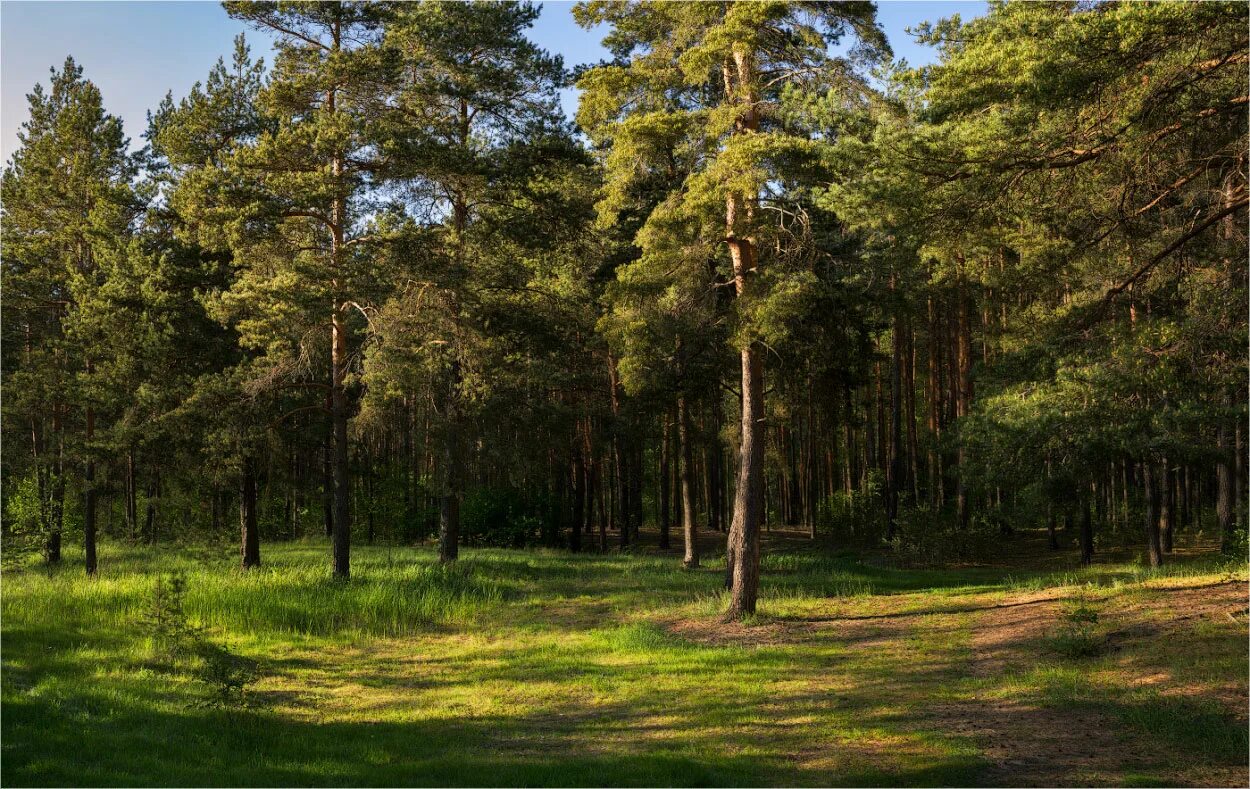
x,y
537,667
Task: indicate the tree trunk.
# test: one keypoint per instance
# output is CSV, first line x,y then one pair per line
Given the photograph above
x,y
665,474
327,478
933,389
688,530
716,520
964,401
742,552
597,483
894,476
89,502
153,487
249,534
341,528
579,496
744,532
1150,488
132,509
1167,506
1087,534
1224,483
449,502
909,400
56,524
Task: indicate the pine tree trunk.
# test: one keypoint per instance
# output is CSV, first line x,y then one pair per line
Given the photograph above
x,y
132,494
89,503
249,533
665,473
341,527
1167,506
52,546
964,357
1087,534
327,478
688,530
909,399
635,490
579,497
150,527
744,533
895,475
449,501
598,484
1224,482
933,388
1150,489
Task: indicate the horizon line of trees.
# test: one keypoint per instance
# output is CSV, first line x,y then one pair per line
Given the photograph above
x,y
384,290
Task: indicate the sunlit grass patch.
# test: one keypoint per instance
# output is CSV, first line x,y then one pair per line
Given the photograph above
x,y
540,667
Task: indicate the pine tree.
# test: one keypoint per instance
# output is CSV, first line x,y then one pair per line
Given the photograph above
x,y
67,204
714,74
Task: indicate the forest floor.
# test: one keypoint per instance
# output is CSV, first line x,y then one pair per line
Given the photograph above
x,y
540,667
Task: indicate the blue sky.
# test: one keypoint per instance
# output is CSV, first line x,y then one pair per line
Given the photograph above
x,y
136,51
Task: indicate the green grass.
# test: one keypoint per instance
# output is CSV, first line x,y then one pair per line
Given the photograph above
x,y
540,667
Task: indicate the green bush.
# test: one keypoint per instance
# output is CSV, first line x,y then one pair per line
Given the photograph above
x,y
176,641
925,537
1078,635
855,519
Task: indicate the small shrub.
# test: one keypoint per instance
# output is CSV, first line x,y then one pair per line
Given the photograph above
x,y
165,619
855,519
174,639
931,538
226,675
1078,635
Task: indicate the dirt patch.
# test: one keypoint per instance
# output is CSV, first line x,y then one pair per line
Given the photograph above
x,y
1035,746
1028,743
712,631
1032,746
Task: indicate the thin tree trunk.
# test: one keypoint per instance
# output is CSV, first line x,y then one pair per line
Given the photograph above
x,y
665,475
909,399
341,527
327,478
89,502
132,509
1087,533
894,478
449,501
153,487
579,497
1150,485
688,530
1167,506
52,546
962,504
1224,483
598,482
716,521
933,389
249,533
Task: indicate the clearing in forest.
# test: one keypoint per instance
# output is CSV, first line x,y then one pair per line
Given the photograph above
x,y
540,667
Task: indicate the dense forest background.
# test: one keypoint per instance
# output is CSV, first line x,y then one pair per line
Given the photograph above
x,y
381,290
